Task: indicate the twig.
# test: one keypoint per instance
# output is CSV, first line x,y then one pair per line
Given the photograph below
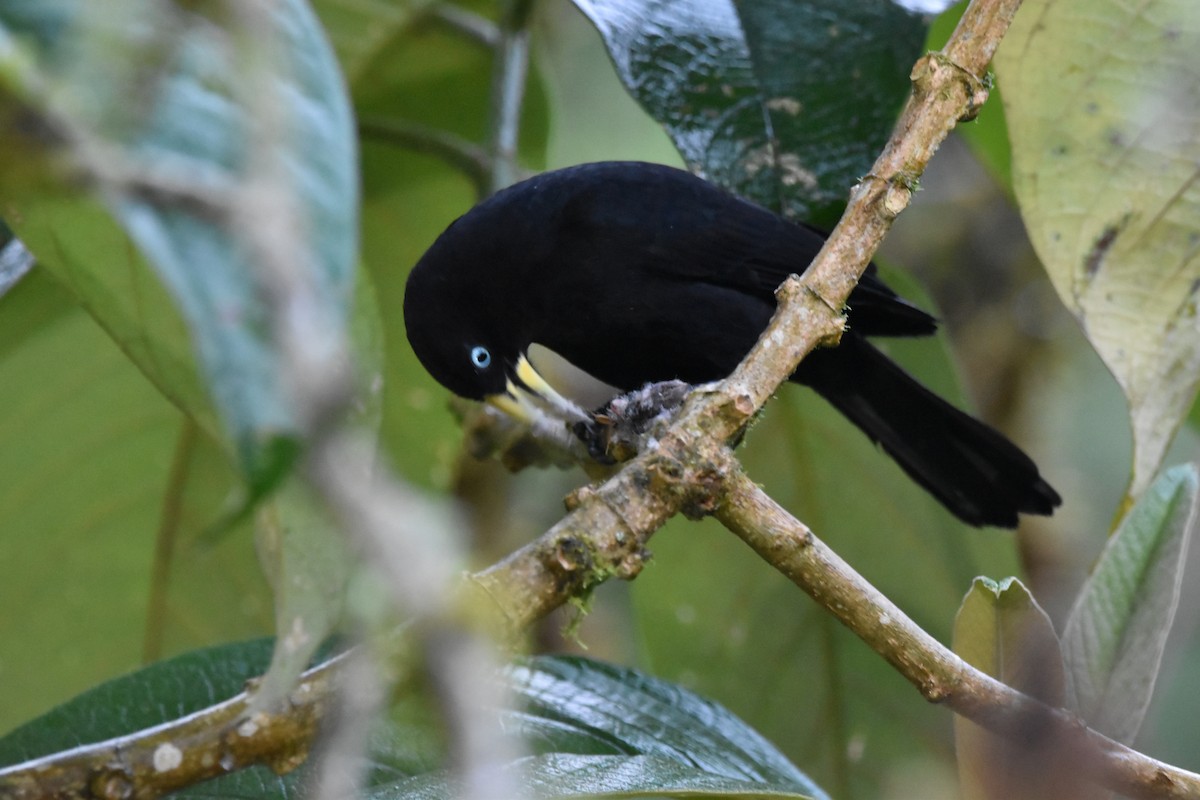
x,y
508,91
474,27
471,159
210,743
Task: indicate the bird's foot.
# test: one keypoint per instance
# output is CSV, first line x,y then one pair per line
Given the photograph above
x,y
629,422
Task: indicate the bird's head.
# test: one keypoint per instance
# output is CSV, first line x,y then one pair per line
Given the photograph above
x,y
472,338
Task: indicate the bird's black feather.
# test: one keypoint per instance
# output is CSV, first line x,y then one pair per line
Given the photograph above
x,y
639,273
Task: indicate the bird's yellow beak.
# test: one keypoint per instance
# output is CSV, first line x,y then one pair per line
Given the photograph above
x,y
528,395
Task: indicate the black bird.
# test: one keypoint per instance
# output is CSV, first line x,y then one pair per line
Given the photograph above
x,y
636,273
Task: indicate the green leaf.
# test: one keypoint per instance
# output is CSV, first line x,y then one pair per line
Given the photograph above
x,y
1103,109
150,696
597,730
600,706
1001,630
191,130
784,102
87,460
1113,639
359,32
567,776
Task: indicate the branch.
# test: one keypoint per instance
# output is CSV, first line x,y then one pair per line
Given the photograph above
x,y
940,675
471,159
469,24
508,91
210,743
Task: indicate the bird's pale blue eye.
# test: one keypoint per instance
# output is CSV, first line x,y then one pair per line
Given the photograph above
x,y
480,357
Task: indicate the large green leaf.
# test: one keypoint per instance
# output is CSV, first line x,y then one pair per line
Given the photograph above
x,y
190,129
602,731
785,102
1114,638
594,729
1103,107
582,776
602,708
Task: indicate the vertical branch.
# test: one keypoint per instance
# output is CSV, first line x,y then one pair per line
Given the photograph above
x,y
508,91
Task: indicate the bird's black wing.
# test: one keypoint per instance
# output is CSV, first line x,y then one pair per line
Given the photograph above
x,y
677,225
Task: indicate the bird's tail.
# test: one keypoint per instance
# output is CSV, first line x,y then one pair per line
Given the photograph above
x,y
978,474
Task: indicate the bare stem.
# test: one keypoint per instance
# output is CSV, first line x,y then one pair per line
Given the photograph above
x,y
471,25
508,91
471,159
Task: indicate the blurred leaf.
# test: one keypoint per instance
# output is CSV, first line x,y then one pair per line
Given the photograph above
x,y
1103,107
360,32
736,88
1113,639
308,564
190,132
98,263
85,453
302,550
1001,630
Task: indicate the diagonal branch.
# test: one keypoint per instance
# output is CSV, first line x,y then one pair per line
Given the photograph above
x,y
938,673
